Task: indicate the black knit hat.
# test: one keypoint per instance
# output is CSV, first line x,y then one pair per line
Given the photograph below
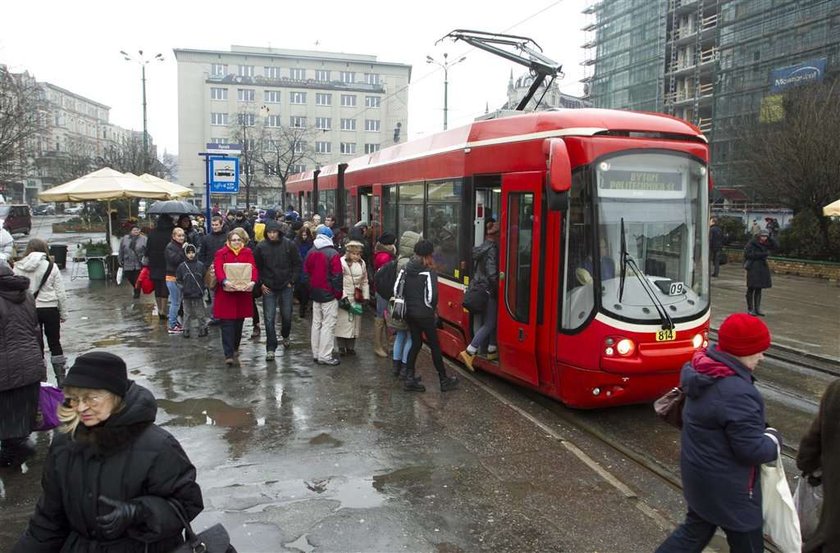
x,y
424,248
387,239
98,370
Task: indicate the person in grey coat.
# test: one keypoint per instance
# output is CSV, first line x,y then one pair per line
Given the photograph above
x,y
130,256
756,253
189,279
21,367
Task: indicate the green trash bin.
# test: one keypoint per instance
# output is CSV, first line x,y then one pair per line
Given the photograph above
x,y
96,269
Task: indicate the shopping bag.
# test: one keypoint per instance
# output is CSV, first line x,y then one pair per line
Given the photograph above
x,y
781,523
670,406
119,275
210,278
213,540
808,500
49,399
144,281
238,276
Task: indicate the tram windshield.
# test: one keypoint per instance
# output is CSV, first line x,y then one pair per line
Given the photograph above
x,y
651,236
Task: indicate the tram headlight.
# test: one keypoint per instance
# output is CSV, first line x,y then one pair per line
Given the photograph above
x,y
698,341
625,346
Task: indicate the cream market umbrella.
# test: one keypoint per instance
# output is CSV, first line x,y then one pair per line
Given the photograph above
x,y
832,209
176,191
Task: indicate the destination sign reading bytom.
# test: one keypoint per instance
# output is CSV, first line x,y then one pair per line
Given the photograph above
x,y
643,181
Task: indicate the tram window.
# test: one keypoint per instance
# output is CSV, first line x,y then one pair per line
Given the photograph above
x,y
389,209
578,282
350,217
410,209
375,212
443,223
520,209
327,201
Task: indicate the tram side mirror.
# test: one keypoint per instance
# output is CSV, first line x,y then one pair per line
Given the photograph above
x,y
559,174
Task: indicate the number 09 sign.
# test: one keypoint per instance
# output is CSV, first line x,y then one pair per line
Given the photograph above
x,y
224,175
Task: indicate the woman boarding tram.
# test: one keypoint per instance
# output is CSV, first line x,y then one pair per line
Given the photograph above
x,y
629,189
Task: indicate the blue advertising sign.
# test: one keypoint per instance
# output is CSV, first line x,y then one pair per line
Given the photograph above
x,y
224,175
807,72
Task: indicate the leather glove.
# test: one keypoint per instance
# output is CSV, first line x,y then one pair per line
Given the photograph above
x,y
124,515
775,433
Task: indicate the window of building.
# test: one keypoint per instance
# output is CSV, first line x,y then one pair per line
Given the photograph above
x,y
218,118
372,125
246,70
219,140
443,218
322,75
218,69
348,100
270,170
299,146
372,101
271,96
348,147
297,97
322,99
297,73
323,147
348,124
372,78
297,122
273,121
323,123
218,93
370,148
297,168
246,94
247,119
272,72
348,77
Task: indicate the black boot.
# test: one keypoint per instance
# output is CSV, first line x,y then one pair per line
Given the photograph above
x,y
750,303
411,384
404,373
397,367
448,383
59,363
758,310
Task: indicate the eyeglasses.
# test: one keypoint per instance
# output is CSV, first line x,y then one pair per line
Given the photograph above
x,y
89,399
236,240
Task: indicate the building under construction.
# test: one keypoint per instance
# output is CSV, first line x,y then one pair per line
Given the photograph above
x,y
714,63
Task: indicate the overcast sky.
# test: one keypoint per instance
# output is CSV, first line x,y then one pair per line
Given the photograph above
x,y
75,45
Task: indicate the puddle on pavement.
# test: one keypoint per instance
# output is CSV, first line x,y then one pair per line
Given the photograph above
x,y
214,412
105,342
325,439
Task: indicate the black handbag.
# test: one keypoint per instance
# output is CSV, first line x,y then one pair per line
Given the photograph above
x,y
476,297
213,540
670,407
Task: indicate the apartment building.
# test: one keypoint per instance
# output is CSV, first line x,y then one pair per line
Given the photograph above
x,y
343,105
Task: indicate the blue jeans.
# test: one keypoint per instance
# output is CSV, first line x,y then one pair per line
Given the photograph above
x,y
174,302
275,298
486,335
231,335
694,534
402,345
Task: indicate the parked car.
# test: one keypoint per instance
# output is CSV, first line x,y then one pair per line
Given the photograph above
x,y
73,210
16,218
43,209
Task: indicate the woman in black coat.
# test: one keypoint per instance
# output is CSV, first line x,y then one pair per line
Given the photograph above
x,y
756,253
156,244
111,472
21,367
819,457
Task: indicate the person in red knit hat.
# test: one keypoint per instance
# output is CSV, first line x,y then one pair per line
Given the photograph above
x,y
724,440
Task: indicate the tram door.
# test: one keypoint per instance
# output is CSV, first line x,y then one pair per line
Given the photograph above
x,y
518,277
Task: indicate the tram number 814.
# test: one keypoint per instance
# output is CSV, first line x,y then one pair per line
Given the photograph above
x,y
666,335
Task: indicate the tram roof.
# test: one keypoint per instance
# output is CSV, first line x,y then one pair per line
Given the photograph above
x,y
529,126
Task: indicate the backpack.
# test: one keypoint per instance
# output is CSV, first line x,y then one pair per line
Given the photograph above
x,y
385,278
397,307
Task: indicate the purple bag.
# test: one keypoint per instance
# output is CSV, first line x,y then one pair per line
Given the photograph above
x,y
48,402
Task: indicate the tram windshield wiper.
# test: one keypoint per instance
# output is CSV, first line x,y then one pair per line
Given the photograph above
x,y
628,261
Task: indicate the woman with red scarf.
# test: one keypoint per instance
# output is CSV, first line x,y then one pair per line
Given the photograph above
x,y
233,301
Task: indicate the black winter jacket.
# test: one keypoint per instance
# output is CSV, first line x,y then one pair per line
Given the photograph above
x,y
420,290
486,259
756,254
155,246
126,458
278,261
210,244
21,359
189,277
174,255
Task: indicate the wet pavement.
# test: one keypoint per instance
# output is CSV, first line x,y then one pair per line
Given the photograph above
x,y
302,458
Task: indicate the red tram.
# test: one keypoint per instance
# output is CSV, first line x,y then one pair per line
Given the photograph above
x,y
629,190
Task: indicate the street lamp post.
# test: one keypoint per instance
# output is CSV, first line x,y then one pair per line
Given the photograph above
x,y
246,153
445,65
140,59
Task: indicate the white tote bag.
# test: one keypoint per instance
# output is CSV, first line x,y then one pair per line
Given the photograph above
x,y
781,522
119,275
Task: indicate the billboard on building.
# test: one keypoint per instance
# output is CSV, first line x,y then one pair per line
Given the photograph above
x,y
807,72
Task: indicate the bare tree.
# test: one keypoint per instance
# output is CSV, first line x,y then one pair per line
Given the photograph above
x,y
790,154
23,115
127,156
